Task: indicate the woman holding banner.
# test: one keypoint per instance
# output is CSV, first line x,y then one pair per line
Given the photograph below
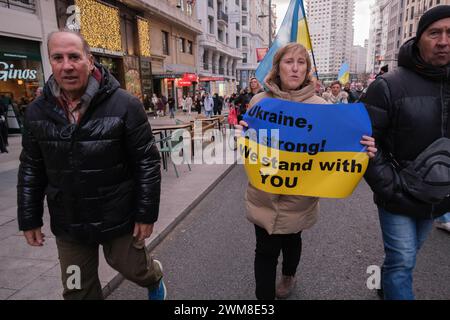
x,y
280,219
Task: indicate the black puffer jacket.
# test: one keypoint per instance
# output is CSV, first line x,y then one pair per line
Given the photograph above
x,y
409,109
100,176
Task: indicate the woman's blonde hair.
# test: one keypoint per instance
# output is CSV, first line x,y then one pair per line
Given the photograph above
x,y
249,84
274,74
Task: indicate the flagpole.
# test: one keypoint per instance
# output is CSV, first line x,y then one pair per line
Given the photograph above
x,y
309,34
270,23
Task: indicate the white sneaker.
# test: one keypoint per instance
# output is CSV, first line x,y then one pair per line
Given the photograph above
x,y
443,225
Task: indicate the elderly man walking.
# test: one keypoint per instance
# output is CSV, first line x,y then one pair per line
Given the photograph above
x,y
89,149
410,110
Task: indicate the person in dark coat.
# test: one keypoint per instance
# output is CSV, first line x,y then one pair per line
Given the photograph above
x,y
409,109
218,104
88,148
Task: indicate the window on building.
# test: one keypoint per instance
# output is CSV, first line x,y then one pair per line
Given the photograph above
x,y
182,44
238,42
189,47
189,9
205,60
412,12
238,26
244,41
244,57
211,3
244,21
211,24
226,38
220,34
20,5
165,43
244,5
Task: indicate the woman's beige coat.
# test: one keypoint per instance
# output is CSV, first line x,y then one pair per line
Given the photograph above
x,y
282,214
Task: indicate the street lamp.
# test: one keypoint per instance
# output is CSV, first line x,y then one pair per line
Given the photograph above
x,y
270,21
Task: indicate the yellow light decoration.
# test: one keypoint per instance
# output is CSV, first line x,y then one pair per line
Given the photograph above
x,y
144,37
100,25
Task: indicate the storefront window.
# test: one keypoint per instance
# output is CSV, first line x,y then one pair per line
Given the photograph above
x,y
19,79
132,77
115,67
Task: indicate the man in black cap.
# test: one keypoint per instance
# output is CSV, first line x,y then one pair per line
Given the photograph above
x,y
409,109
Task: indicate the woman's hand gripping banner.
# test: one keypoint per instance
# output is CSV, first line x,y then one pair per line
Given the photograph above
x,y
305,149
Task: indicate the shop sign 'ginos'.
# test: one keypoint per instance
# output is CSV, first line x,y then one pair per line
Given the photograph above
x,y
7,72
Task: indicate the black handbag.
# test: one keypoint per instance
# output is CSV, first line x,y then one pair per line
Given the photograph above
x,y
427,178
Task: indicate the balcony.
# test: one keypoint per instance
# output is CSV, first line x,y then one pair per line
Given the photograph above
x,y
222,17
20,5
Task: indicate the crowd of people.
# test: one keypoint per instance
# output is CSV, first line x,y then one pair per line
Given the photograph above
x,y
102,179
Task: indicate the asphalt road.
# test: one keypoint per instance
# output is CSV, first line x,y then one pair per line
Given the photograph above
x,y
209,255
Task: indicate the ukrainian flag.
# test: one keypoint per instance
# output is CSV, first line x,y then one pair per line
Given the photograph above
x,y
344,74
293,29
312,150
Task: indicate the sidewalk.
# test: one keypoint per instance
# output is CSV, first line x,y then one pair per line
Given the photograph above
x,y
33,272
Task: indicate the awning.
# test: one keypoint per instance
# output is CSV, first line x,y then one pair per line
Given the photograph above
x,y
205,79
167,75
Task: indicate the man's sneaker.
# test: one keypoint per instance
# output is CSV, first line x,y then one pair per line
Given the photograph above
x,y
160,292
443,225
285,287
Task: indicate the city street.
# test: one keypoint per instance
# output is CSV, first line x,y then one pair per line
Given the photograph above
x,y
209,255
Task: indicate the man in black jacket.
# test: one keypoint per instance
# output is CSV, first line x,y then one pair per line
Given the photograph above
x,y
88,148
409,109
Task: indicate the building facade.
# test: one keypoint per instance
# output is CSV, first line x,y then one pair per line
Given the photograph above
x,y
379,13
148,45
174,31
24,66
358,60
413,10
219,45
254,36
331,29
392,23
394,30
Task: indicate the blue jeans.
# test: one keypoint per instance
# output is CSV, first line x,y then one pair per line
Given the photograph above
x,y
402,236
445,218
208,113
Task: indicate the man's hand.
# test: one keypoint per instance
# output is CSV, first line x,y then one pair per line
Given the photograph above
x,y
239,128
34,237
369,142
142,231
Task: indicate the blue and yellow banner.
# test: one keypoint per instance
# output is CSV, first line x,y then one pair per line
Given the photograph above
x,y
305,149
